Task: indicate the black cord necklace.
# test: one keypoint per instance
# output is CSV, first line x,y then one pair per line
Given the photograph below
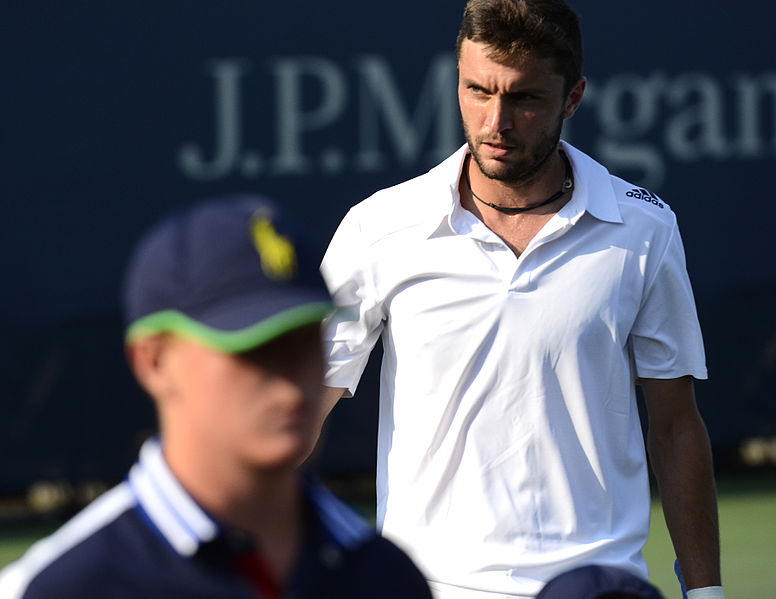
x,y
568,185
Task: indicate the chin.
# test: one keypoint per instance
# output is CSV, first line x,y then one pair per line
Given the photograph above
x,y
286,455
497,170
494,169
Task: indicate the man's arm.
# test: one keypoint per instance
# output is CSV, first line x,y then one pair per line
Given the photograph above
x,y
329,398
680,454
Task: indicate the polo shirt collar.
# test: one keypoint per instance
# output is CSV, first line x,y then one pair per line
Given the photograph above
x,y
440,206
174,513
588,175
186,526
593,190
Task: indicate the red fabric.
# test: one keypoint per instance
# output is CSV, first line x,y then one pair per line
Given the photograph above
x,y
256,570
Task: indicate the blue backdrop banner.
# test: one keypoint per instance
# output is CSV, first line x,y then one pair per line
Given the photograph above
x,y
112,114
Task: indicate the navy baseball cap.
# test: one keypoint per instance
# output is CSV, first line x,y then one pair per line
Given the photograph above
x,y
592,582
232,273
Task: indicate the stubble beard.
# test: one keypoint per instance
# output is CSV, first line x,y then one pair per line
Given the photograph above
x,y
524,170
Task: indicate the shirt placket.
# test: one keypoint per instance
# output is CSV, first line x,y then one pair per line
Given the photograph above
x,y
555,228
498,253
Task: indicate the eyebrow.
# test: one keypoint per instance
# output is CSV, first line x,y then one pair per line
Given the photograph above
x,y
531,91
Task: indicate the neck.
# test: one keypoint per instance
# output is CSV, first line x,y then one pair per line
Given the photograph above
x,y
515,205
268,505
261,502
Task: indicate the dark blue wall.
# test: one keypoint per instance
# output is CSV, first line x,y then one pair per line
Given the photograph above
x,y
111,114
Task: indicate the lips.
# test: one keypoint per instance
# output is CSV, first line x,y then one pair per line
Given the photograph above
x,y
496,150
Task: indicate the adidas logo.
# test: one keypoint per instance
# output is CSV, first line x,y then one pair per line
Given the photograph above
x,y
642,194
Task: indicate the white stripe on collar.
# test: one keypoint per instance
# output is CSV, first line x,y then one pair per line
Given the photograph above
x,y
186,526
16,577
177,516
199,522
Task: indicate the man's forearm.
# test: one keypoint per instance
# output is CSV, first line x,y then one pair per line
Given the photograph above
x,y
682,464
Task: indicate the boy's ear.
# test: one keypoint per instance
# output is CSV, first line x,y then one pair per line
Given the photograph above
x,y
146,359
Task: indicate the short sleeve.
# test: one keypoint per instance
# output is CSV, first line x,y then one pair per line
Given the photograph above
x,y
351,332
666,338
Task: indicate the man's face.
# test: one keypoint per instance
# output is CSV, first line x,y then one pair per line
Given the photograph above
x,y
259,409
512,111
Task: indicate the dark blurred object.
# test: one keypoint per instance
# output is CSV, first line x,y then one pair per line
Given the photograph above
x,y
598,582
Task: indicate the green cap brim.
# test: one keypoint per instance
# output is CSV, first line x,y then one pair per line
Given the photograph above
x,y
174,321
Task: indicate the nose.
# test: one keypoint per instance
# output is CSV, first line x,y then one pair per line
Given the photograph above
x,y
498,117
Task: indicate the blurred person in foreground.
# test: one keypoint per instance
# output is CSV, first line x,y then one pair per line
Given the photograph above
x,y
522,292
223,303
598,582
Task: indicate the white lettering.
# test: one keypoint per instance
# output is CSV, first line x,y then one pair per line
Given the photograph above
x,y
636,124
292,118
696,130
627,109
751,92
228,125
749,142
379,95
640,94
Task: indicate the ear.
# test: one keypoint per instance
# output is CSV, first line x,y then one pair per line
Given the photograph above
x,y
146,358
574,98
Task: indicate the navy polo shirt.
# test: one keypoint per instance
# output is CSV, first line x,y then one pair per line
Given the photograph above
x,y
147,537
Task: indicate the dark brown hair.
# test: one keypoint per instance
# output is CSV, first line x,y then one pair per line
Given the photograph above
x,y
516,29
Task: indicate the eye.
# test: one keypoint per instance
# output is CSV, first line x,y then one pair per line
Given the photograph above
x,y
523,97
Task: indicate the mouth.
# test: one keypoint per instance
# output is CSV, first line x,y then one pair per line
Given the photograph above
x,y
496,149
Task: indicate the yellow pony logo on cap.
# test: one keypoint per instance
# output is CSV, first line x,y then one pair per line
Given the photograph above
x,y
278,256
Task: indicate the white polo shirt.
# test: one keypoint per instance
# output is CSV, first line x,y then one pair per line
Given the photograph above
x,y
509,446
